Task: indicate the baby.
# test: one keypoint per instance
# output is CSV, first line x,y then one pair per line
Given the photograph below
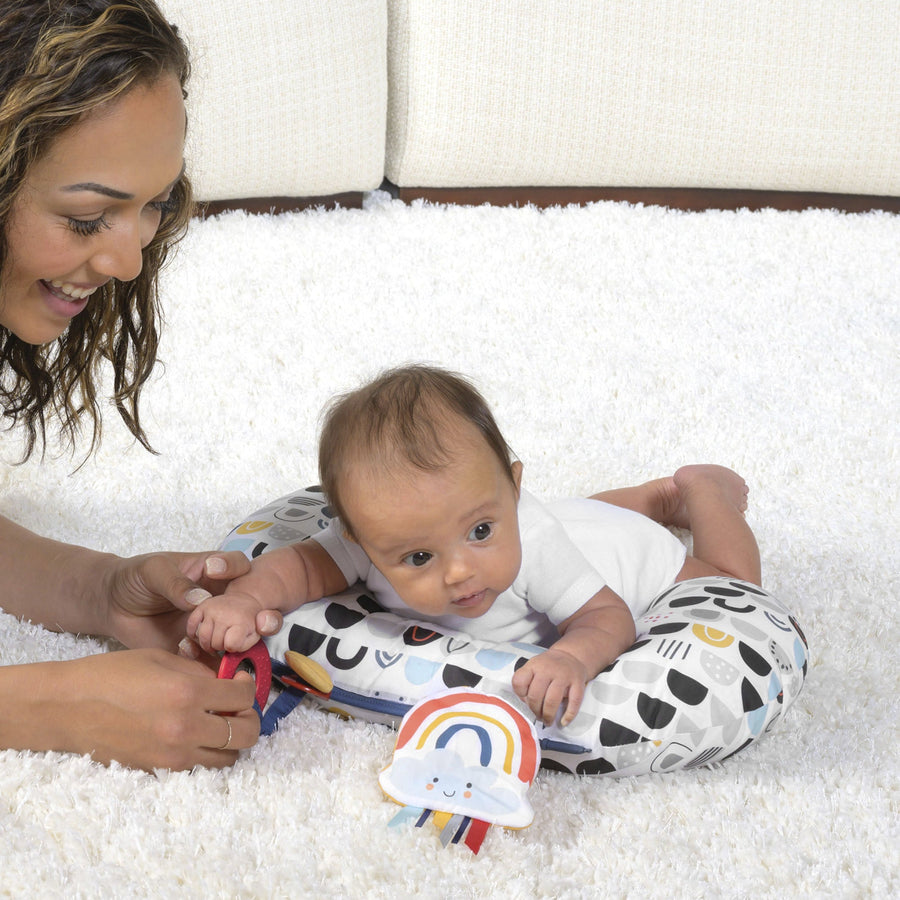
x,y
431,516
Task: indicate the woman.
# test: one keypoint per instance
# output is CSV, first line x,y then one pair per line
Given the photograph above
x,y
92,196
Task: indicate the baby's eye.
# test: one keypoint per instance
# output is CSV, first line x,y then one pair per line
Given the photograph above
x,y
417,559
481,532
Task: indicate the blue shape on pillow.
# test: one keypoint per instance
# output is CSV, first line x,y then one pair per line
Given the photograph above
x,y
799,654
385,660
774,687
241,544
757,719
420,671
495,660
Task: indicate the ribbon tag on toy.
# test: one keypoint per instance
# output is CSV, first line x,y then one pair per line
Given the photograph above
x,y
465,760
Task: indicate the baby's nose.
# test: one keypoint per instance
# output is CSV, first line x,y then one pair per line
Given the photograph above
x,y
459,569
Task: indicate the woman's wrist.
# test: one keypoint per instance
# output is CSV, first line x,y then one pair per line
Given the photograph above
x,y
85,591
60,586
35,707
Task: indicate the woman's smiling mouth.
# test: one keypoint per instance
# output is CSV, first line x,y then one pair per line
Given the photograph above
x,y
65,290
63,299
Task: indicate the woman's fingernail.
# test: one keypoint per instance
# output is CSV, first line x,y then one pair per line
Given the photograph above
x,y
186,647
195,596
215,565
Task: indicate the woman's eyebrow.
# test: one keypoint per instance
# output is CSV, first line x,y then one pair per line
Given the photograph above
x,y
95,188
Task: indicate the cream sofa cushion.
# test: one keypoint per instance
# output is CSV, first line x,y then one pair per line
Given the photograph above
x,y
799,96
287,98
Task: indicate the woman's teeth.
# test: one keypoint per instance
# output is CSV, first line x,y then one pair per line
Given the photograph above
x,y
71,291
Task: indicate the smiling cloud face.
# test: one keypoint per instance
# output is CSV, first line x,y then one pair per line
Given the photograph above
x,y
442,780
465,753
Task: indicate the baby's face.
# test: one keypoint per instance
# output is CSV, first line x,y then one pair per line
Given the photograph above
x,y
448,540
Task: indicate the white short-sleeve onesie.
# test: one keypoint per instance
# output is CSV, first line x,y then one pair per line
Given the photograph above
x,y
570,550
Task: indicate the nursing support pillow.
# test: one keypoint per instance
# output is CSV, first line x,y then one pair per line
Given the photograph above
x,y
716,664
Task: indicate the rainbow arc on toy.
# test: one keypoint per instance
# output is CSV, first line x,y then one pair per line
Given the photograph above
x,y
465,760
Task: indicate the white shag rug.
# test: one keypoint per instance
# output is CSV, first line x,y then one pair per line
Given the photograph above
x,y
615,343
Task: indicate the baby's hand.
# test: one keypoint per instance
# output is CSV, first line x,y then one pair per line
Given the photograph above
x,y
226,622
547,680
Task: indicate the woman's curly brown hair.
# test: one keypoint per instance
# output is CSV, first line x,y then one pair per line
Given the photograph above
x,y
59,60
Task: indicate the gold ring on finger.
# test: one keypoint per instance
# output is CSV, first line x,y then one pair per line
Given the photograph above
x,y
227,743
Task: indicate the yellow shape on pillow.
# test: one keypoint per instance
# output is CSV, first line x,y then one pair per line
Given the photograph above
x,y
310,671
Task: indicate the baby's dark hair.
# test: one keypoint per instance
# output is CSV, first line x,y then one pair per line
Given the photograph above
x,y
402,419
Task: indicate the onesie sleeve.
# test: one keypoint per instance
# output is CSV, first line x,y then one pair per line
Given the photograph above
x,y
556,578
349,557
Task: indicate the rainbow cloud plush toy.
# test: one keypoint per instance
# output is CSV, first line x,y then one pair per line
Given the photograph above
x,y
466,760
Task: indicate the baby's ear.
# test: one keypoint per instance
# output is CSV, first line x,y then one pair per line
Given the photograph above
x,y
516,469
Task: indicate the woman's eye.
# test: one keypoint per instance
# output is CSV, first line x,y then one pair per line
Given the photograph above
x,y
165,206
481,532
417,559
88,227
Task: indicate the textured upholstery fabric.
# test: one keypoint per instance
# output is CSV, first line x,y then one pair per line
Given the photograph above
x,y
287,98
800,96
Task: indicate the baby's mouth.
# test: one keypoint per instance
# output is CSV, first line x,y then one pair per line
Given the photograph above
x,y
469,600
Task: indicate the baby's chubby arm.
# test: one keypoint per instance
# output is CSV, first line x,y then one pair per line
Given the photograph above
x,y
590,640
282,579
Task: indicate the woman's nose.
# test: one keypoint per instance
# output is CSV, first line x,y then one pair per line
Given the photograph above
x,y
120,255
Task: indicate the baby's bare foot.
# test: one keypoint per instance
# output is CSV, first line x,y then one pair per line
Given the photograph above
x,y
727,483
665,499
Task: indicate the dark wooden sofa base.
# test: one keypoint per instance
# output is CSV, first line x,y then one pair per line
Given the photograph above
x,y
688,199
276,205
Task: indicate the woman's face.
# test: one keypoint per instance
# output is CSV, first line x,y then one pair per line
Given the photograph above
x,y
88,207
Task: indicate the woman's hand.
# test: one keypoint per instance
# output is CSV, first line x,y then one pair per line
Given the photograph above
x,y
142,601
143,708
149,597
